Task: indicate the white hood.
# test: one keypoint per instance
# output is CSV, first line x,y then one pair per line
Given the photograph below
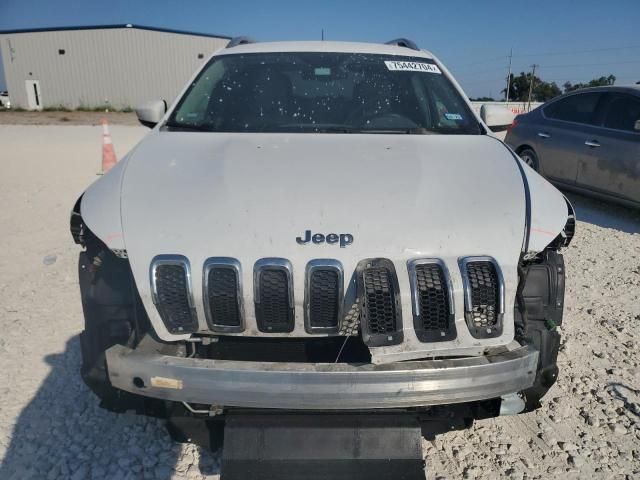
x,y
246,195
249,196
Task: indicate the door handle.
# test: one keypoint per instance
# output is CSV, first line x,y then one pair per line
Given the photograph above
x,y
544,135
592,143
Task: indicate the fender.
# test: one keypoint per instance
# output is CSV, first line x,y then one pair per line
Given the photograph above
x,y
100,207
552,215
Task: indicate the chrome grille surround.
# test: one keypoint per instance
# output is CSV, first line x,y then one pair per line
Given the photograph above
x,y
483,319
444,328
224,264
310,307
272,315
177,313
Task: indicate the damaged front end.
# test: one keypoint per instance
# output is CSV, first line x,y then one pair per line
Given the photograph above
x,y
539,308
113,314
203,373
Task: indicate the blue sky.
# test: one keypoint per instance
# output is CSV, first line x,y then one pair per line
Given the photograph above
x,y
570,40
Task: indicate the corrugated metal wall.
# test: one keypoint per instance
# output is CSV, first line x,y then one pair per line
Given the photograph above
x,y
122,67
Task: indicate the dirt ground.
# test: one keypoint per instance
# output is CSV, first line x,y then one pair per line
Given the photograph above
x,y
50,423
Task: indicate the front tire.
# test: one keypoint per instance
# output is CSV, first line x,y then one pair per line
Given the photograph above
x,y
529,157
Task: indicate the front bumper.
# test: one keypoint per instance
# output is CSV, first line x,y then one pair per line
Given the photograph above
x,y
304,386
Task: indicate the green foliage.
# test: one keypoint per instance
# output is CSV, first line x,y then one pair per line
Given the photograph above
x,y
596,82
59,108
99,108
542,91
62,108
483,99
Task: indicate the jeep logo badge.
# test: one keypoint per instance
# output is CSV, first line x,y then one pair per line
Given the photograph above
x,y
331,238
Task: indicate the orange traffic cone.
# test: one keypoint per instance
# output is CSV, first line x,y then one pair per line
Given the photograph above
x,y
108,153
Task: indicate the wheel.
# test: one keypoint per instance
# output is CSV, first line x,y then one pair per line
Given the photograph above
x,y
529,157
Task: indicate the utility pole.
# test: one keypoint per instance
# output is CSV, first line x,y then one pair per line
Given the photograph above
x,y
322,35
506,97
533,74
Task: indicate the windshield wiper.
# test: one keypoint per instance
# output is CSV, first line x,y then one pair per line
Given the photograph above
x,y
345,129
406,131
186,127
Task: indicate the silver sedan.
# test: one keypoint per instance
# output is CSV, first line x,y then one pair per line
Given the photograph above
x,y
588,140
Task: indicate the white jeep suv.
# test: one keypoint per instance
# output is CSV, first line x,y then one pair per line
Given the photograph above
x,y
321,226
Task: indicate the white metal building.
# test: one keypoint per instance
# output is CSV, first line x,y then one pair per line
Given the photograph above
x,y
119,66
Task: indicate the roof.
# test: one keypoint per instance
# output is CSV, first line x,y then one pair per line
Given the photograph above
x,y
607,88
324,46
113,26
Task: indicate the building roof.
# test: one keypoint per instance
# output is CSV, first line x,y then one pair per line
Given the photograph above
x,y
105,27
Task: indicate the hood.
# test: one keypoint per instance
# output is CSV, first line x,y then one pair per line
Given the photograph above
x,y
250,196
230,194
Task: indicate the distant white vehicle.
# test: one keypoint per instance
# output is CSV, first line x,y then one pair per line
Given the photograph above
x,y
322,226
4,100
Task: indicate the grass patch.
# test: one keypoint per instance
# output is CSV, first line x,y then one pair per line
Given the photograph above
x,y
59,108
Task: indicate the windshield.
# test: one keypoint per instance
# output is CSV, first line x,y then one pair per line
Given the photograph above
x,y
323,92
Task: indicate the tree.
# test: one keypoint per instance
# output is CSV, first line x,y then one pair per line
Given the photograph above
x,y
483,99
596,82
542,91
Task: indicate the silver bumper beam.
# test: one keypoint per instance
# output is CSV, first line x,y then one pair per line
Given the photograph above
x,y
304,386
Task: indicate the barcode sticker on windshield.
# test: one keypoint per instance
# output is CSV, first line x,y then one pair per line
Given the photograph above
x,y
411,66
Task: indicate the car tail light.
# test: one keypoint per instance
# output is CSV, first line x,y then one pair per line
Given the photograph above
x,y
513,125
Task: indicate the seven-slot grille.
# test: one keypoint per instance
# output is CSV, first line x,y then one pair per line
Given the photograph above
x,y
223,294
324,290
484,292
381,312
273,295
434,319
170,280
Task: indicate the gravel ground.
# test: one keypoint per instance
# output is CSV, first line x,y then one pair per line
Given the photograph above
x,y
51,426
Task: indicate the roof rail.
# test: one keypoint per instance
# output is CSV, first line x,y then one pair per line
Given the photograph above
x,y
402,42
235,41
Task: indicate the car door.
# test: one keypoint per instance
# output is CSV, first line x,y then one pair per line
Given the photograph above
x,y
611,160
561,133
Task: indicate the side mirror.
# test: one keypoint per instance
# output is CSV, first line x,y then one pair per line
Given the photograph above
x,y
150,113
496,117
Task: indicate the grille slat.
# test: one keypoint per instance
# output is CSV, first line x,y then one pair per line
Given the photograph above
x,y
484,302
381,313
379,302
274,298
324,292
172,295
223,294
433,312
324,299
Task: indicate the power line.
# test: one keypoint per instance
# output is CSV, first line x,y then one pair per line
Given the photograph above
x,y
497,69
573,52
558,81
552,53
590,64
